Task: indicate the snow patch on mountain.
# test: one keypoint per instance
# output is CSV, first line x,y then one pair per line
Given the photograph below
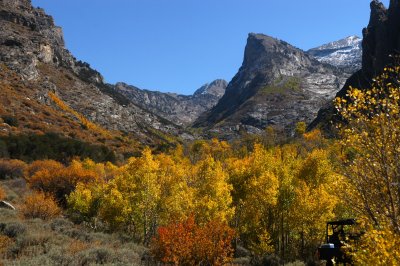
x,y
345,53
215,88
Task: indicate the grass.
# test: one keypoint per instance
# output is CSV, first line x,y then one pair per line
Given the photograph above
x,y
283,85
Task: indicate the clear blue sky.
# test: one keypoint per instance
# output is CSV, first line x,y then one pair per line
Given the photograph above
x,y
178,45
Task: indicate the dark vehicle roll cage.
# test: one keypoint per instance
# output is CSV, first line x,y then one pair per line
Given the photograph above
x,y
332,249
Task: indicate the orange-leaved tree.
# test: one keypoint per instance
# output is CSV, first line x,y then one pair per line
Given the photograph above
x,y
52,177
186,243
40,205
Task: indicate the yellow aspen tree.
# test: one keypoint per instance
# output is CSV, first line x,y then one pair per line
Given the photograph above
x,y
144,173
255,195
177,196
213,198
371,139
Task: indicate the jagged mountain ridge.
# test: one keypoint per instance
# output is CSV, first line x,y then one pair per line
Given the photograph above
x,y
345,53
182,109
277,84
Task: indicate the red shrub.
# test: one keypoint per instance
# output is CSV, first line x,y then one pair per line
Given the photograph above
x,y
186,243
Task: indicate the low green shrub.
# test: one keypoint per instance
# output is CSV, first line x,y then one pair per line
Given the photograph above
x,y
10,120
12,229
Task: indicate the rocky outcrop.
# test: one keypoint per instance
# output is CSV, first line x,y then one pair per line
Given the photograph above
x,y
39,41
182,109
345,53
381,37
381,41
277,84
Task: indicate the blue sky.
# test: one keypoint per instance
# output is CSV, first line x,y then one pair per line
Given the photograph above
x,y
178,45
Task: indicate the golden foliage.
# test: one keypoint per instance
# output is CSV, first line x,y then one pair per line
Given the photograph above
x,y
82,119
277,199
372,141
53,177
377,246
40,205
212,191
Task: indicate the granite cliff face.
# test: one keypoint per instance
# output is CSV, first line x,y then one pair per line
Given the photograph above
x,y
33,47
277,84
29,37
381,37
381,41
182,109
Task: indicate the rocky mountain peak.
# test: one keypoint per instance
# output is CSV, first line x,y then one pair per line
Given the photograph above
x,y
32,48
258,44
345,42
345,53
381,37
215,88
29,37
263,51
378,11
180,109
277,84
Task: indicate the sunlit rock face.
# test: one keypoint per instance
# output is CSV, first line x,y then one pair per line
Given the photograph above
x,y
277,84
